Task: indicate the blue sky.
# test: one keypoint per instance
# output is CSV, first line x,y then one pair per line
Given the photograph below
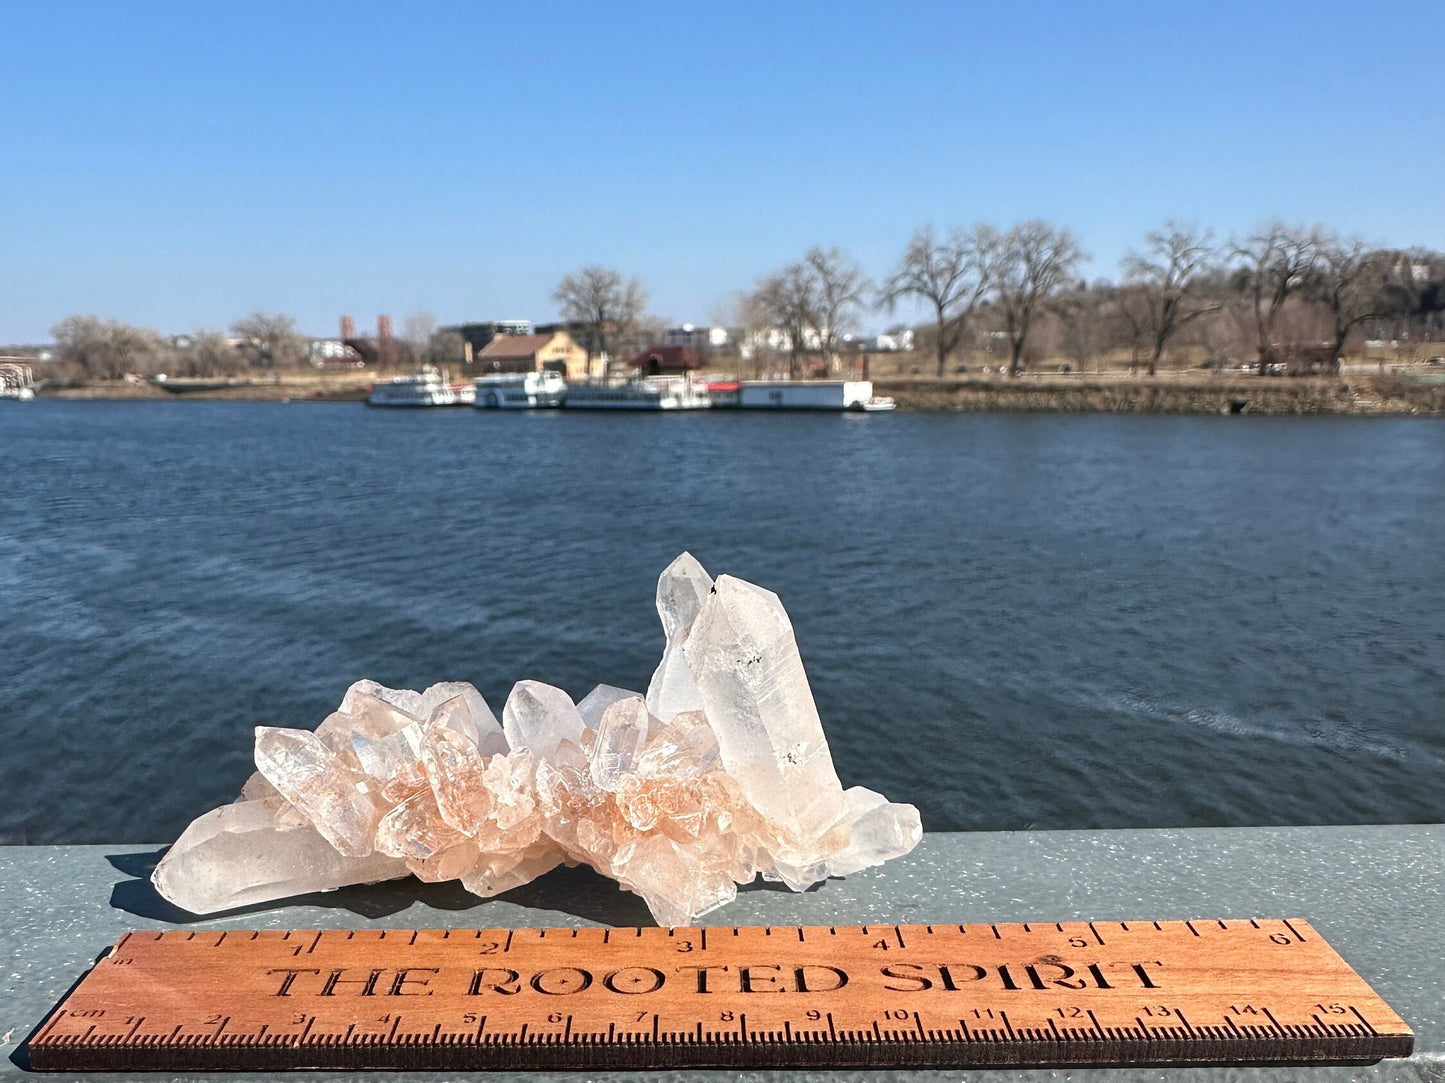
x,y
181,165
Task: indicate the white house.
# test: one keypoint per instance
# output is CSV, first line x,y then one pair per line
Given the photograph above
x,y
701,339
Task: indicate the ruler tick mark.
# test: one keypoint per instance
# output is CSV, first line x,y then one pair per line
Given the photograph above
x,y
1363,1020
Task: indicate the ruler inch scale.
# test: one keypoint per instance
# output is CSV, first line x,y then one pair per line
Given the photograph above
x,y
1038,994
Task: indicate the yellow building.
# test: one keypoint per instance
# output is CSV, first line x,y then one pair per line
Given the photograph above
x,y
554,351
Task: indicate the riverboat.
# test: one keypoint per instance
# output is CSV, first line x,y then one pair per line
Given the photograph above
x,y
519,390
835,395
16,383
186,385
724,394
427,387
642,393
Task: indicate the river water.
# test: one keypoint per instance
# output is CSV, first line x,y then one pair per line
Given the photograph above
x,y
1011,621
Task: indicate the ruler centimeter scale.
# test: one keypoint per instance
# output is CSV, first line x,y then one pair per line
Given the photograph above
x,y
1170,992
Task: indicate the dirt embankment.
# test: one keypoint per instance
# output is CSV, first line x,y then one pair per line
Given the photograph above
x,y
289,387
1270,396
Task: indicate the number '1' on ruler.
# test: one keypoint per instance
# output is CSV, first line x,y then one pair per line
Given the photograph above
x,y
1171,992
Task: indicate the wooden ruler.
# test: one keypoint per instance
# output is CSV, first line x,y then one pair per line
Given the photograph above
x,y
1171,992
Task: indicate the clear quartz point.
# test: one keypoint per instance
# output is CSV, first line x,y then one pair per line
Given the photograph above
x,y
746,663
325,790
721,773
681,590
539,717
621,734
236,856
591,706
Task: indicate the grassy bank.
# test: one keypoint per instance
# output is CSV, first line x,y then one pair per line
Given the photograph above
x,y
1180,394
282,387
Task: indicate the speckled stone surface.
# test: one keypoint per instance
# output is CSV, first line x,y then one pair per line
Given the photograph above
x,y
1377,893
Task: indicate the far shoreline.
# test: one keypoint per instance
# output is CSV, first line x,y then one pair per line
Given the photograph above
x,y
1180,393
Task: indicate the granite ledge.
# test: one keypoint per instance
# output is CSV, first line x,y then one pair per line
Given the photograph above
x,y
1377,893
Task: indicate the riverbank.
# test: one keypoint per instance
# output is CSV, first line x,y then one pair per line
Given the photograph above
x,y
1386,395
1175,393
283,387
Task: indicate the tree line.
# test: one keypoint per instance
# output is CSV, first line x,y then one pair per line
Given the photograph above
x,y
1290,297
104,349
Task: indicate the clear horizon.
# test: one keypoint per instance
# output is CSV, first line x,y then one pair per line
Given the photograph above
x,y
178,168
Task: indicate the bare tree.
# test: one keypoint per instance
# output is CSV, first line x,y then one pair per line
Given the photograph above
x,y
1084,324
210,353
952,276
605,303
446,347
790,301
1276,262
1164,287
109,349
1033,262
839,286
271,341
753,318
1352,282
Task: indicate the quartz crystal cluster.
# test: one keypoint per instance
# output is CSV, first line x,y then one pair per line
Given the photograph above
x,y
720,773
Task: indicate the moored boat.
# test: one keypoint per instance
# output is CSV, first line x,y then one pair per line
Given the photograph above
x,y
16,383
519,390
185,384
426,387
642,393
724,393
810,395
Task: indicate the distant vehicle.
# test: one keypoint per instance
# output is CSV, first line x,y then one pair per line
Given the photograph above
x,y
960,368
1436,361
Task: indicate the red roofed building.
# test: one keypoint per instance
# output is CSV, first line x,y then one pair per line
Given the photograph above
x,y
657,360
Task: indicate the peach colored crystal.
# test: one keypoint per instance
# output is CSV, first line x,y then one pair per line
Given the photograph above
x,y
721,773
